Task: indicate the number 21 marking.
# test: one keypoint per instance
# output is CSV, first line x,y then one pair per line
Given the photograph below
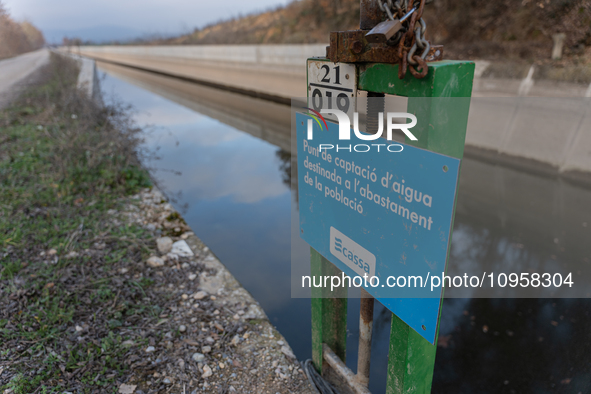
x,y
326,78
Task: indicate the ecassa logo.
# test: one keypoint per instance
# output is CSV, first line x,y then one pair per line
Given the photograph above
x,y
345,125
350,255
356,257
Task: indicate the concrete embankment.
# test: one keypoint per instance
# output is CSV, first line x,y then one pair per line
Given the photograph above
x,y
541,133
88,80
270,71
548,134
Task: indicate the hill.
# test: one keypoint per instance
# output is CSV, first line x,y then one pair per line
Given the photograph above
x,y
513,32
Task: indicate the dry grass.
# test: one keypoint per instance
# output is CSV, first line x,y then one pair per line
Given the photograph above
x,y
301,21
480,28
64,163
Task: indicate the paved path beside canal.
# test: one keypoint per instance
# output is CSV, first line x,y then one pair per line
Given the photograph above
x,y
17,69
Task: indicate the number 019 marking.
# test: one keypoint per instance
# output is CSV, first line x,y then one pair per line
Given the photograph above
x,y
331,85
342,100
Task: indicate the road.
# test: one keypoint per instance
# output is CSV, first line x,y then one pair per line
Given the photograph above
x,y
15,70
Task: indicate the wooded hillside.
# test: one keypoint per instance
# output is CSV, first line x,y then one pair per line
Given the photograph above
x,y
17,37
468,28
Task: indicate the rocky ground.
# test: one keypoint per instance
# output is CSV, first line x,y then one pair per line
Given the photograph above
x,y
209,334
216,338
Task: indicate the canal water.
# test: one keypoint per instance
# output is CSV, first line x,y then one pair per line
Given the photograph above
x,y
224,160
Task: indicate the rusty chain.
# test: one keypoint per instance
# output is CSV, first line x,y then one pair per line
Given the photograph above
x,y
411,38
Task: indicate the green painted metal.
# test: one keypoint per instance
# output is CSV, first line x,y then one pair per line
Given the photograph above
x,y
411,360
447,78
441,102
329,312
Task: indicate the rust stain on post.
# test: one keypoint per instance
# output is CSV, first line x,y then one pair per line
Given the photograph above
x,y
351,46
365,333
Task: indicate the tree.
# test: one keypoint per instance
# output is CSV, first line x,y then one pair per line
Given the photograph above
x,y
17,38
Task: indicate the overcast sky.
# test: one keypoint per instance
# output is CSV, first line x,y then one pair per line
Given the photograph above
x,y
146,16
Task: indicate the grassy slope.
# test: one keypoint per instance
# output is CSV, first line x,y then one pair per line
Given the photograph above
x,y
81,311
59,176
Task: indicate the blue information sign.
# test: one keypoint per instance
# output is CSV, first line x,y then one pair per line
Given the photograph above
x,y
385,213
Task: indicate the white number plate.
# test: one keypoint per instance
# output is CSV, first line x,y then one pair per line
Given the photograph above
x,y
332,86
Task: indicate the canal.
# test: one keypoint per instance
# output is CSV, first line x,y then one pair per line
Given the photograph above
x,y
224,161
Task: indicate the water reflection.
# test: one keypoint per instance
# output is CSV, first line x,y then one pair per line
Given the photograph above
x,y
285,168
514,346
239,192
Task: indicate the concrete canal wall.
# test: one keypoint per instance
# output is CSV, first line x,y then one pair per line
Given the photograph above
x,y
545,133
88,80
549,133
270,70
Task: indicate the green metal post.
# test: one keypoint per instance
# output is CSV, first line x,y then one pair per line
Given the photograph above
x,y
329,312
442,129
